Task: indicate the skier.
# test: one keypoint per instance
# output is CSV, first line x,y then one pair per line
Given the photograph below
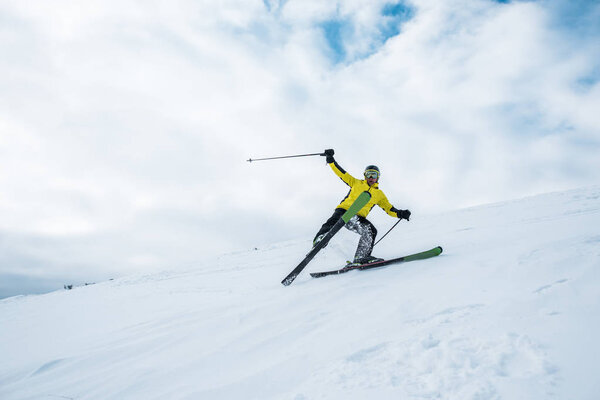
x,y
359,222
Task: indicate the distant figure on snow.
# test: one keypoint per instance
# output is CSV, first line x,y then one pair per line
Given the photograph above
x,y
359,222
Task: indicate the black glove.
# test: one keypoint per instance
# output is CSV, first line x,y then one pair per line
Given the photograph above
x,y
329,153
403,214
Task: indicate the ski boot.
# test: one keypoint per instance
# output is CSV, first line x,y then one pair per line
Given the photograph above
x,y
318,239
363,261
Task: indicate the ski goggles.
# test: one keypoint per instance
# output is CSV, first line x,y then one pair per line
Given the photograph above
x,y
371,174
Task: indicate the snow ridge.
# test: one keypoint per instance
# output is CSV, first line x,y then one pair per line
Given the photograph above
x,y
510,310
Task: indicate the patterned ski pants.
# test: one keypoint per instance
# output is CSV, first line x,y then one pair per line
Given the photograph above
x,y
360,225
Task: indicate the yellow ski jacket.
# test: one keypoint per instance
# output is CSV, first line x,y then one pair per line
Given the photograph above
x,y
357,186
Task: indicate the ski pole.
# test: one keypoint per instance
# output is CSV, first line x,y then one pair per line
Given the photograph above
x,y
397,222
276,158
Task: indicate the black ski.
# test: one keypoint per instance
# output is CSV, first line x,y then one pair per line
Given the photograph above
x,y
358,204
418,256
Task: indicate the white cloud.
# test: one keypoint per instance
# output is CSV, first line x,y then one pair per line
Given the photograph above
x,y
132,122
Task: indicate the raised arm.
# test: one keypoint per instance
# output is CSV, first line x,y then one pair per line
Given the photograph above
x,y
338,170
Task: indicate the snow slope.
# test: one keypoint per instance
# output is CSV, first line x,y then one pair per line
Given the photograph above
x,y
510,310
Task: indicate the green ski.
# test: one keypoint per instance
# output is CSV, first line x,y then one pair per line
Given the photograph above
x,y
418,256
358,204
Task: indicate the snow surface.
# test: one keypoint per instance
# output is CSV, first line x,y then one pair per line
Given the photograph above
x,y
510,310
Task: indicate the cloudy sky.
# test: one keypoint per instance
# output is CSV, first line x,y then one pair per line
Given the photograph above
x,y
125,125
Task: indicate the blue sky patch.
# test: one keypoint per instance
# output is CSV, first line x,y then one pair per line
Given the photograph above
x,y
335,32
267,5
400,10
589,80
578,16
338,31
586,83
274,5
395,14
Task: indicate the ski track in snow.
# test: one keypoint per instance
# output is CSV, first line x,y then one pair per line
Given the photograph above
x,y
510,310
431,367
